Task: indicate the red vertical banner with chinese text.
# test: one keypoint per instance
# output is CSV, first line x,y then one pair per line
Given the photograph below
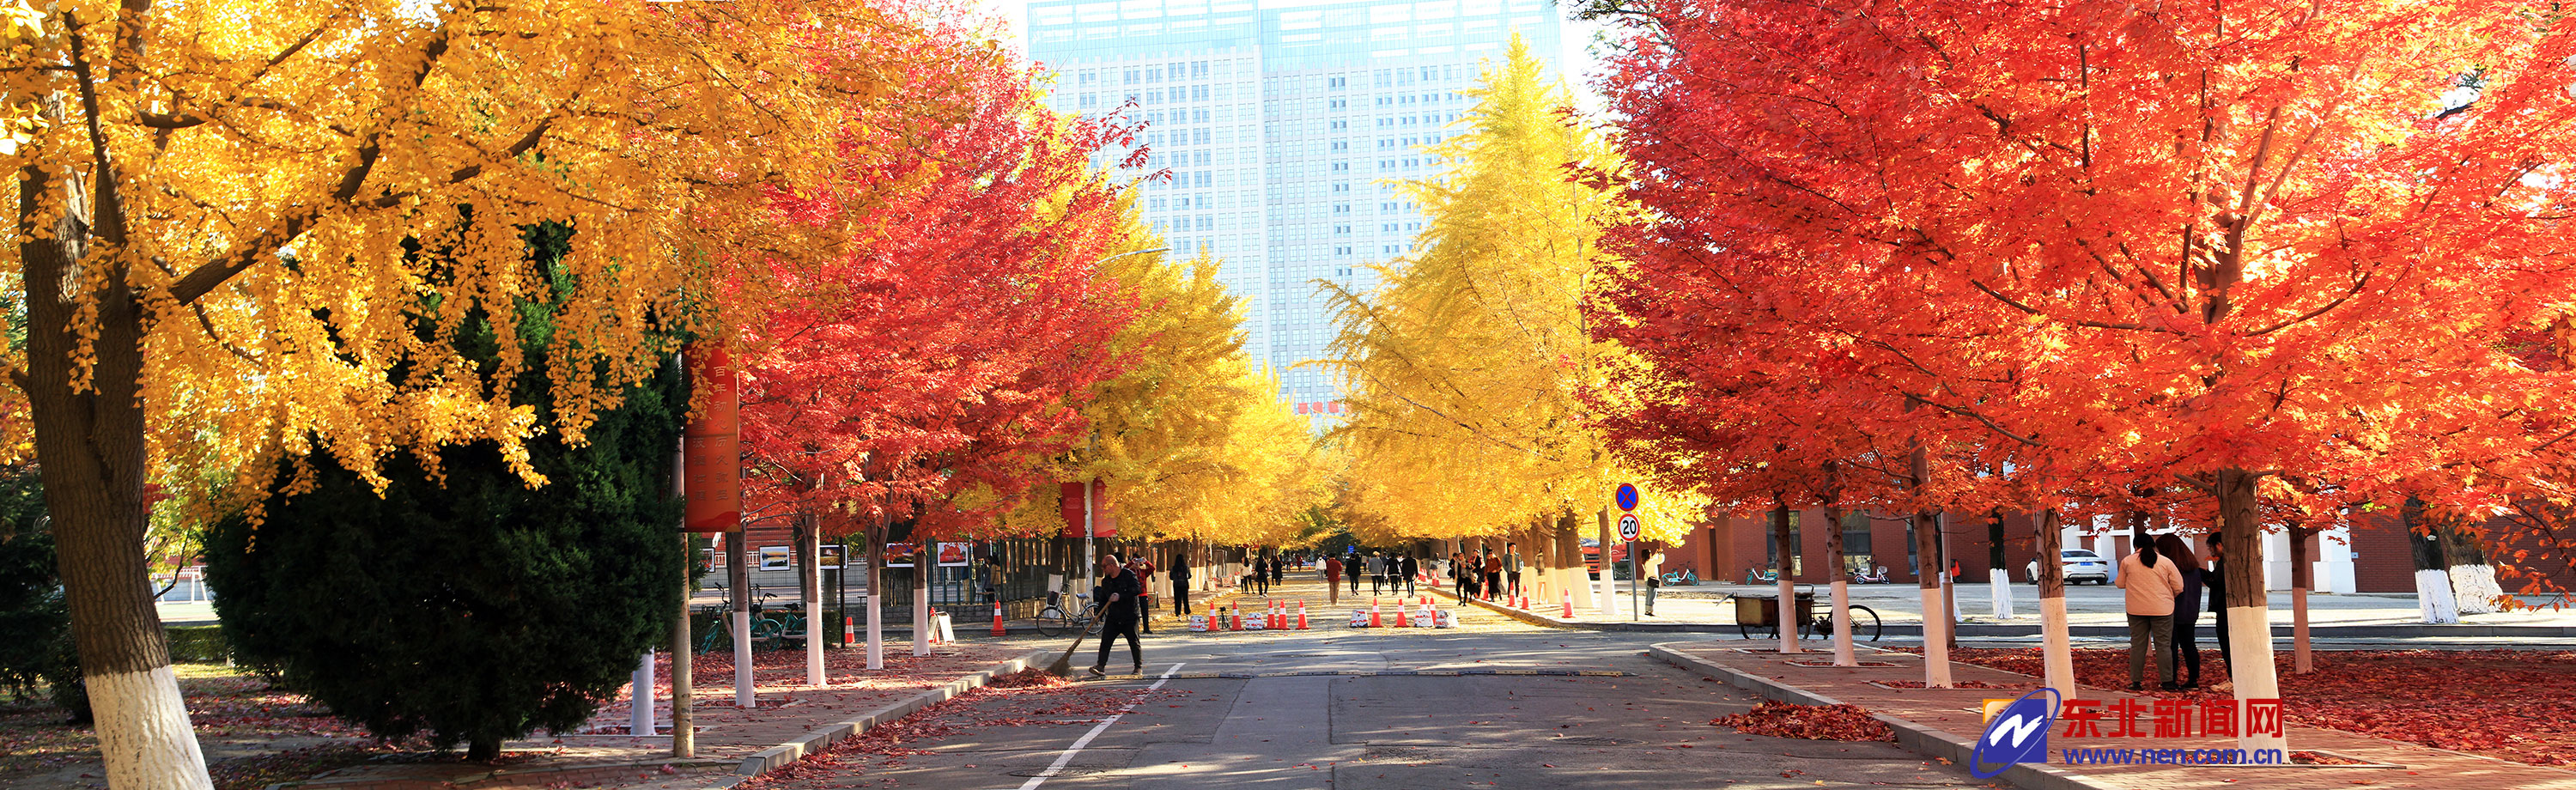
x,y
712,446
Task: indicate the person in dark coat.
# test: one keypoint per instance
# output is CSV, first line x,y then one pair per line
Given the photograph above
x,y
2186,614
1408,567
1117,594
1278,570
2215,580
1180,585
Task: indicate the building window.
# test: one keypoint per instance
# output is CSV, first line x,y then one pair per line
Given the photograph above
x,y
1342,230
1340,82
1341,166
1856,552
1341,124
1132,76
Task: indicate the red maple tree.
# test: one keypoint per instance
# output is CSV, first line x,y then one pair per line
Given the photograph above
x,y
2188,246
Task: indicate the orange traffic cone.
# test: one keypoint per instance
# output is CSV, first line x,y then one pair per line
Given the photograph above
x,y
1569,604
1399,618
1278,616
1301,615
849,631
1374,622
1236,619
998,628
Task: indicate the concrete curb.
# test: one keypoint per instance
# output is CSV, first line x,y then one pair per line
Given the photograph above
x,y
815,741
1921,739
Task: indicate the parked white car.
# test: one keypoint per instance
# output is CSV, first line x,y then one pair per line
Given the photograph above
x,y
2079,565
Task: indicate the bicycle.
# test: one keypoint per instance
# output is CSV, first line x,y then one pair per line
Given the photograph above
x,y
1053,619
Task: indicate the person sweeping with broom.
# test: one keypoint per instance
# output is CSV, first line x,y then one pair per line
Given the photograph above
x,y
1117,594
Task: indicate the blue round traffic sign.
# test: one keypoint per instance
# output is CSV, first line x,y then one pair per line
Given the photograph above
x,y
1627,496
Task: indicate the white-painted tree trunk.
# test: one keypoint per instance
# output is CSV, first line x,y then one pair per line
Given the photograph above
x,y
744,694
814,628
921,617
876,630
2433,596
2249,634
2057,651
1936,640
2000,582
1788,591
1843,656
143,731
2474,589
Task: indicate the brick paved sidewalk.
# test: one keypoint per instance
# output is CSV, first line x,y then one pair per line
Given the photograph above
x,y
1944,722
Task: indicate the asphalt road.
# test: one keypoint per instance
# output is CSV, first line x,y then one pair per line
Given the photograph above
x,y
1647,727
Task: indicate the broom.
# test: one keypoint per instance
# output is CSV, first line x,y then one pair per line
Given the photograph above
x,y
1063,666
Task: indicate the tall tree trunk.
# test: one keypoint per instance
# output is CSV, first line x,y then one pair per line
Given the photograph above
x,y
809,578
2057,651
922,561
1998,580
90,445
2433,596
738,566
2473,579
1569,559
1604,595
2249,611
1783,584
2300,661
874,554
1841,603
684,742
1927,547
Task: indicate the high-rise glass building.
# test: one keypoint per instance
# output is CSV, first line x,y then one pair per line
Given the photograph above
x,y
1282,124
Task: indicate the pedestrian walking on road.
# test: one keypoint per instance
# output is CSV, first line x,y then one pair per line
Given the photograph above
x,y
2186,615
1332,580
1117,594
1260,575
1352,566
1181,586
1512,568
1278,569
2152,586
1471,577
1144,570
1493,574
1407,567
1377,573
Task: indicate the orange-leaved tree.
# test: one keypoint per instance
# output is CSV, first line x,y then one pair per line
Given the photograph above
x,y
2227,242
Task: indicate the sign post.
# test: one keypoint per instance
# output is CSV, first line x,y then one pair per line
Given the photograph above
x,y
1629,529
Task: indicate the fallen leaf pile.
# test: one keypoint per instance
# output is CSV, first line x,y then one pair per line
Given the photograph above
x,y
2508,704
1777,719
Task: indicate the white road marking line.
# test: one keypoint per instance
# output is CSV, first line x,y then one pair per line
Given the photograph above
x,y
1085,740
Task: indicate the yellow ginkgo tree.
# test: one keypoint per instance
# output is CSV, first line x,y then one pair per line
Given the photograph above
x,y
1471,374
218,202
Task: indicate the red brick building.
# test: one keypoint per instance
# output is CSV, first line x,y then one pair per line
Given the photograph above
x,y
2372,556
